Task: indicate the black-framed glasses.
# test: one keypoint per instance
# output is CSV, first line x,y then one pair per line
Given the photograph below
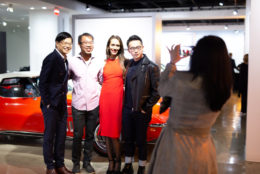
x,y
138,48
66,43
86,43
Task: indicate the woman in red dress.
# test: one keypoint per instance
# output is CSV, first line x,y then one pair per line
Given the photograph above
x,y
111,101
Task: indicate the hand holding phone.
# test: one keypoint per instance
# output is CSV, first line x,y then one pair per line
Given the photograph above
x,y
186,51
174,53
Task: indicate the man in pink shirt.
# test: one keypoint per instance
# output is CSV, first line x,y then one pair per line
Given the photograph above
x,y
85,72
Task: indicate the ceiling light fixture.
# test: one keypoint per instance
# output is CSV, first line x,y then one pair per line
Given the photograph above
x,y
221,4
188,28
44,8
10,8
87,7
235,12
4,24
225,27
32,8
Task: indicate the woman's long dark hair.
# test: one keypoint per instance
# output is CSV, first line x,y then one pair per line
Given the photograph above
x,y
210,60
120,53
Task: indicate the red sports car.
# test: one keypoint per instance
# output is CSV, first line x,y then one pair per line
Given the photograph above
x,y
20,112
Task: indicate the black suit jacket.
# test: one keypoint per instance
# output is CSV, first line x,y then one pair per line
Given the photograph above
x,y
53,80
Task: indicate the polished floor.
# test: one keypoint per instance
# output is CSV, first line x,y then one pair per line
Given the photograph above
x,y
22,155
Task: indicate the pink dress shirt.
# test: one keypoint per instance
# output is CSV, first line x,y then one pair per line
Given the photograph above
x,y
86,77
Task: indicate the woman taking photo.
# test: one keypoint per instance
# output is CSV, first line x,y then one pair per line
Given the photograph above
x,y
185,145
111,101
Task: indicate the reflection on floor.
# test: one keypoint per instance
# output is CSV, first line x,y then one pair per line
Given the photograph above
x,y
21,155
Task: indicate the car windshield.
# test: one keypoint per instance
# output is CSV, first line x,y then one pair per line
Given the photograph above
x,y
19,87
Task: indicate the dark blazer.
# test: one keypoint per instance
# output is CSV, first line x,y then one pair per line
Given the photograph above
x,y
144,85
53,80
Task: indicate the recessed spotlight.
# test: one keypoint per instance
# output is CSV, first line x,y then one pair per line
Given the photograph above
x,y
29,27
221,4
32,8
10,8
235,12
87,7
4,24
187,28
3,4
44,8
225,27
13,30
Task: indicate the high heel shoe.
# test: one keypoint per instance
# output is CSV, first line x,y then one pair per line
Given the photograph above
x,y
109,167
117,167
110,172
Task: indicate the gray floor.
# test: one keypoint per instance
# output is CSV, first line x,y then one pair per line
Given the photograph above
x,y
23,155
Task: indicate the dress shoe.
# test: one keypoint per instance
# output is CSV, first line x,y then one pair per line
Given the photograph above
x,y
128,169
88,167
141,170
51,171
63,170
76,168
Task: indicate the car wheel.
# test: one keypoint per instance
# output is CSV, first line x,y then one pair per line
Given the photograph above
x,y
99,143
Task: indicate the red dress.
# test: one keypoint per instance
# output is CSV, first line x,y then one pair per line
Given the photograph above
x,y
111,99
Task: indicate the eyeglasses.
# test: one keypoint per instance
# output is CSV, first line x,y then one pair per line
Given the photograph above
x,y
138,48
86,43
66,44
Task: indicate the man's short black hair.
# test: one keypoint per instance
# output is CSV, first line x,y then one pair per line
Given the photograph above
x,y
134,37
85,34
63,35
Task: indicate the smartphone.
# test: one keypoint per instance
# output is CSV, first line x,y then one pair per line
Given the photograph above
x,y
186,50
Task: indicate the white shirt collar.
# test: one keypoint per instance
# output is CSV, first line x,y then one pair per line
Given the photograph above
x,y
79,56
60,53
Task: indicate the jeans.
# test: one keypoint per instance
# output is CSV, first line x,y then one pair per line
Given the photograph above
x,y
81,119
134,127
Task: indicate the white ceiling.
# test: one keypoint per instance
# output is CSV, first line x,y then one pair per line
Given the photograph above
x,y
19,19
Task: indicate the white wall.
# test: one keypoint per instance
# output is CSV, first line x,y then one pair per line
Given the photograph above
x,y
17,50
253,111
233,40
44,28
102,27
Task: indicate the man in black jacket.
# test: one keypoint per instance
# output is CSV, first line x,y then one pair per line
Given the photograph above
x,y
53,88
141,82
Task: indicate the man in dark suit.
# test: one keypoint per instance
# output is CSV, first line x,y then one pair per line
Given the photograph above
x,y
53,88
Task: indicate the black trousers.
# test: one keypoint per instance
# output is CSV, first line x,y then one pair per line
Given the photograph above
x,y
81,119
244,101
134,128
55,125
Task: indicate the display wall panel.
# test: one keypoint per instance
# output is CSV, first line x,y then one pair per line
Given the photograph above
x,y
234,42
102,27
